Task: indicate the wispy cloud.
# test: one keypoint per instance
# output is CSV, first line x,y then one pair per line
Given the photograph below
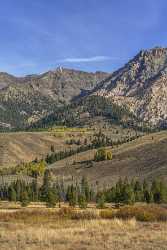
x,y
22,65
88,59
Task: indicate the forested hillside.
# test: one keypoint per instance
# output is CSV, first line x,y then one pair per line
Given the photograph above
x,y
85,111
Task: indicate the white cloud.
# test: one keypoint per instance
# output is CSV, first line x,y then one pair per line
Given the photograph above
x,y
88,59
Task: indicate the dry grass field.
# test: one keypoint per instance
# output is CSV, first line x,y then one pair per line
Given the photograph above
x,y
47,230
26,146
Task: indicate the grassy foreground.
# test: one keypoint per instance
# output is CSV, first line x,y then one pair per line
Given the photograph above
x,y
47,229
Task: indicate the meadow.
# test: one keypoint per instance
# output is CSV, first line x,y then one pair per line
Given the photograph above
x,y
37,227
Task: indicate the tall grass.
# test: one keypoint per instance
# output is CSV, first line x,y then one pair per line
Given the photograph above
x,y
140,213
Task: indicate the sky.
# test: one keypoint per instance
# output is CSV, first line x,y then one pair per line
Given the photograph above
x,y
91,35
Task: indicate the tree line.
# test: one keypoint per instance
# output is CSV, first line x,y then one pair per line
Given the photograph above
x,y
81,193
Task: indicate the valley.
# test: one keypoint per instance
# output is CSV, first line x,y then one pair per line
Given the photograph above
x,y
83,125
57,122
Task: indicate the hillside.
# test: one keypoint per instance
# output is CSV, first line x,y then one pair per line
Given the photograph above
x,y
6,80
141,85
87,111
25,100
25,147
143,158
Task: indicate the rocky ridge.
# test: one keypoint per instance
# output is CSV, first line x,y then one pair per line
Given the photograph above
x,y
141,85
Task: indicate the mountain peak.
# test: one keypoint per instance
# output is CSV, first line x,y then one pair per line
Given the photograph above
x,y
141,85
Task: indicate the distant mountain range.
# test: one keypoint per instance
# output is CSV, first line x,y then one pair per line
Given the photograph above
x,y
139,87
25,100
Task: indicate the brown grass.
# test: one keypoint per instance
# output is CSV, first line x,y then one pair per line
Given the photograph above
x,y
100,234
68,229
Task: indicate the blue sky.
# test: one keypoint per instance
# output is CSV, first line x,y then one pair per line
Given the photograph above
x,y
38,35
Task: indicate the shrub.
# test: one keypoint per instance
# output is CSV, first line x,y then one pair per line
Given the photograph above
x,y
84,215
109,155
142,213
24,199
107,214
102,154
65,212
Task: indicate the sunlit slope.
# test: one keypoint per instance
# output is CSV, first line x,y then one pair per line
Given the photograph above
x,y
25,147
145,157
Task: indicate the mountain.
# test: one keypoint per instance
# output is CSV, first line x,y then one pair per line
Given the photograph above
x,y
27,99
6,80
64,96
141,85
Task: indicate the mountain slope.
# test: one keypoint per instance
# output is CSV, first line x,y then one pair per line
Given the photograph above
x,y
86,111
27,99
21,147
141,85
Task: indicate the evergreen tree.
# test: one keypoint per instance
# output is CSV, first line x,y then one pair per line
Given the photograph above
x,y
100,201
34,190
155,189
51,198
12,194
18,190
148,196
128,195
85,189
72,196
82,201
52,149
46,185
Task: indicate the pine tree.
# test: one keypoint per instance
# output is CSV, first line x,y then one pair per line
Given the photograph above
x,y
128,195
85,189
82,201
34,190
100,201
46,185
18,190
148,196
155,189
72,196
52,148
51,198
12,194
